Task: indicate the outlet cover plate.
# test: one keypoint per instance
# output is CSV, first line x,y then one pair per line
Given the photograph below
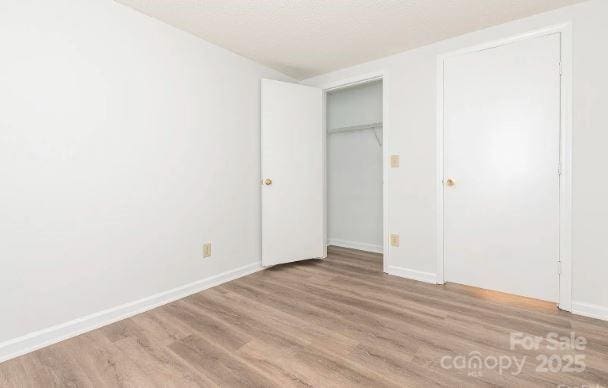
x,y
394,161
207,250
395,240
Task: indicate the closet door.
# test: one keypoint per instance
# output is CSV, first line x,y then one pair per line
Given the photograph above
x,y
502,123
292,173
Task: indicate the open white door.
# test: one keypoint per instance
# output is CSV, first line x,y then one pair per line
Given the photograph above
x,y
292,173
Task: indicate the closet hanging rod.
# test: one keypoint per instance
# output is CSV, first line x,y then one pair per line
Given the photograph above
x,y
354,128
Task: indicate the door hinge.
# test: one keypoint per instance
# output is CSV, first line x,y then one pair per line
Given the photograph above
x,y
559,267
560,67
559,169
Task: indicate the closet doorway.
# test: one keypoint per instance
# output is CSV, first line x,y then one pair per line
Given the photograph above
x,y
354,166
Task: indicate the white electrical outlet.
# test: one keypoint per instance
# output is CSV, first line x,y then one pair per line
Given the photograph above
x,y
207,249
394,161
395,240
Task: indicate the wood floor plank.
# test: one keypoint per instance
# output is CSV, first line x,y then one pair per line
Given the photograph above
x,y
223,368
160,364
105,363
162,327
334,322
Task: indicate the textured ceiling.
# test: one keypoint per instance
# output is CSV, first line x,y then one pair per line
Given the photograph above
x,y
303,38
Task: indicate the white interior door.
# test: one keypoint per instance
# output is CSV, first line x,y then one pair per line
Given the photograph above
x,y
292,173
502,122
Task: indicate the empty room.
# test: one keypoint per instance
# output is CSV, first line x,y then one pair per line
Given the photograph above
x,y
236,193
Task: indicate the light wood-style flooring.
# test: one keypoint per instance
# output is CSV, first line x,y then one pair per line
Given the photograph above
x,y
333,322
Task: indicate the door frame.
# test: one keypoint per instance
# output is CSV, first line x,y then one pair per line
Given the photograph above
x,y
352,81
565,166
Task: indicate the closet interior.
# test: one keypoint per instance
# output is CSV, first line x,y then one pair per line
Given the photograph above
x,y
354,167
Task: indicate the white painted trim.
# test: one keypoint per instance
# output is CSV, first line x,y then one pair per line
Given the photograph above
x,y
28,343
590,310
565,183
325,187
565,240
352,81
426,277
355,245
360,79
440,171
386,258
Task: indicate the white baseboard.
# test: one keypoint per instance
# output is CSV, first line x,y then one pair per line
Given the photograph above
x,y
28,343
590,310
355,245
427,277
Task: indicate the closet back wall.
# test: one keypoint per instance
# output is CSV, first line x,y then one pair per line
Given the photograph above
x,y
354,162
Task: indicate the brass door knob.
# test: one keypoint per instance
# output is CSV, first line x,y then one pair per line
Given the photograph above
x,y
267,181
450,182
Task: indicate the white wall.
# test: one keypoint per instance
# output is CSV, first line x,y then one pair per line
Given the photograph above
x,y
411,90
124,145
354,166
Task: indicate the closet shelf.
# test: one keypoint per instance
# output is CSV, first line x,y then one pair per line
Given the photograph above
x,y
354,128
376,127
